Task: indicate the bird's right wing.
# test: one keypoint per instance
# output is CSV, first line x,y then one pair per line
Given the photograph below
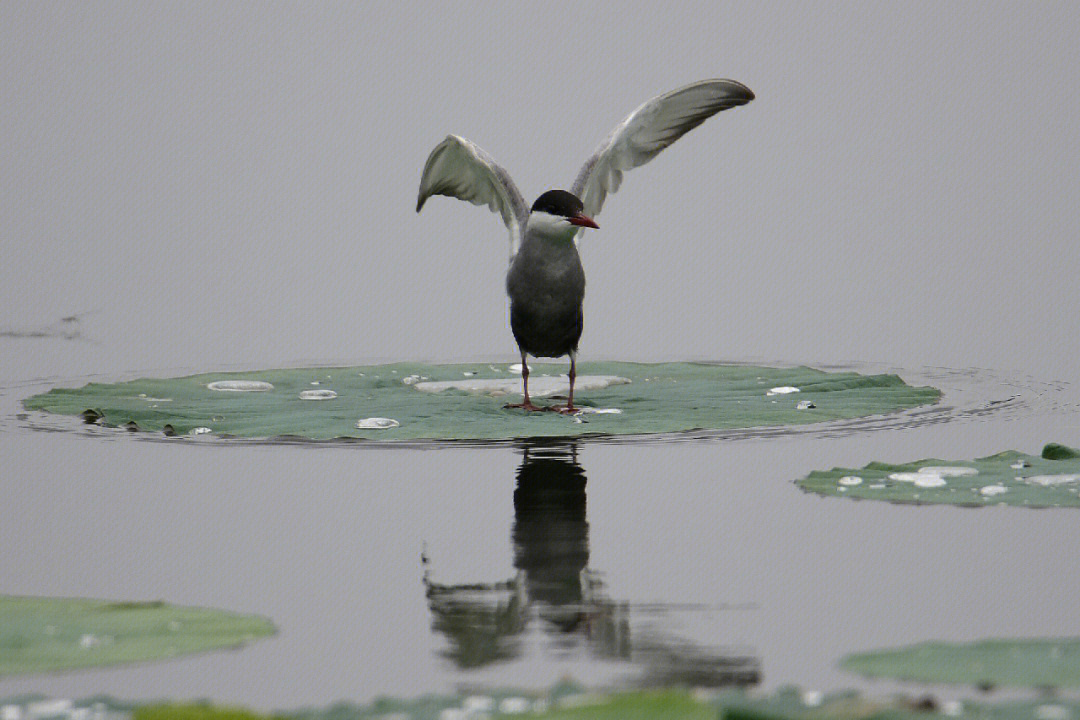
x,y
648,130
458,168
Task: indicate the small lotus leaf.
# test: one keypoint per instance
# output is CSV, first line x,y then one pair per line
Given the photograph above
x,y
40,634
1008,478
1040,663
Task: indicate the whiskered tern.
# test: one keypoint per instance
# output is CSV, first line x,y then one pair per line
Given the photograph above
x,y
546,282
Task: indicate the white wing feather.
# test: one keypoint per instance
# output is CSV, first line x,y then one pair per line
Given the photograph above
x,y
458,168
648,130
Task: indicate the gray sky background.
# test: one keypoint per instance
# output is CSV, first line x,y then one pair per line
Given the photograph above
x,y
234,184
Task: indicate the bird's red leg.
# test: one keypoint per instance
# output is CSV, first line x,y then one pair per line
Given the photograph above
x,y
526,404
569,408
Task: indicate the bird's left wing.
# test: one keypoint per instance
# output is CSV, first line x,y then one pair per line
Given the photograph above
x,y
648,130
458,168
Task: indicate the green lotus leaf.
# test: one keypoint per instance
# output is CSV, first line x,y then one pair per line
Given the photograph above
x,y
410,401
1008,478
47,634
1040,663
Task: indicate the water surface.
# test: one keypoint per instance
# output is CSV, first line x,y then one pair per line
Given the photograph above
x,y
406,570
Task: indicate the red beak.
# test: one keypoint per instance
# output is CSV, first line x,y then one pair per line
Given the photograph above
x,y
583,221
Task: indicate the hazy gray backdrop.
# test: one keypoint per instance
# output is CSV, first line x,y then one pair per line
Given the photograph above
x,y
234,184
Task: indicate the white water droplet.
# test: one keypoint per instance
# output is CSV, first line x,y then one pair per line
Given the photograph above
x,y
240,386
478,704
805,405
949,470
933,476
877,486
513,705
952,708
516,368
991,490
200,431
88,641
782,390
1048,480
48,708
377,423
812,698
410,379
320,394
538,386
919,479
1052,712
600,411
850,480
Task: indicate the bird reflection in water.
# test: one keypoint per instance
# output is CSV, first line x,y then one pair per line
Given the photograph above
x,y
554,590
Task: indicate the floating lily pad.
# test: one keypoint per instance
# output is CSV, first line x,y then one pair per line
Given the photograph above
x,y
1008,478
1043,663
409,401
48,634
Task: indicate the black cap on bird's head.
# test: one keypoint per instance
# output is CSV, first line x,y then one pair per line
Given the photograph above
x,y
563,204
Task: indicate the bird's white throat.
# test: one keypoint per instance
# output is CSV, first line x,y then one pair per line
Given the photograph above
x,y
550,226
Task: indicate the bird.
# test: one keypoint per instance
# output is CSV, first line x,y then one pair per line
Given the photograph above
x,y
546,281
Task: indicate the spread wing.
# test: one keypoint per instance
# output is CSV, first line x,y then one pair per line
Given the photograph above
x,y
648,130
458,168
